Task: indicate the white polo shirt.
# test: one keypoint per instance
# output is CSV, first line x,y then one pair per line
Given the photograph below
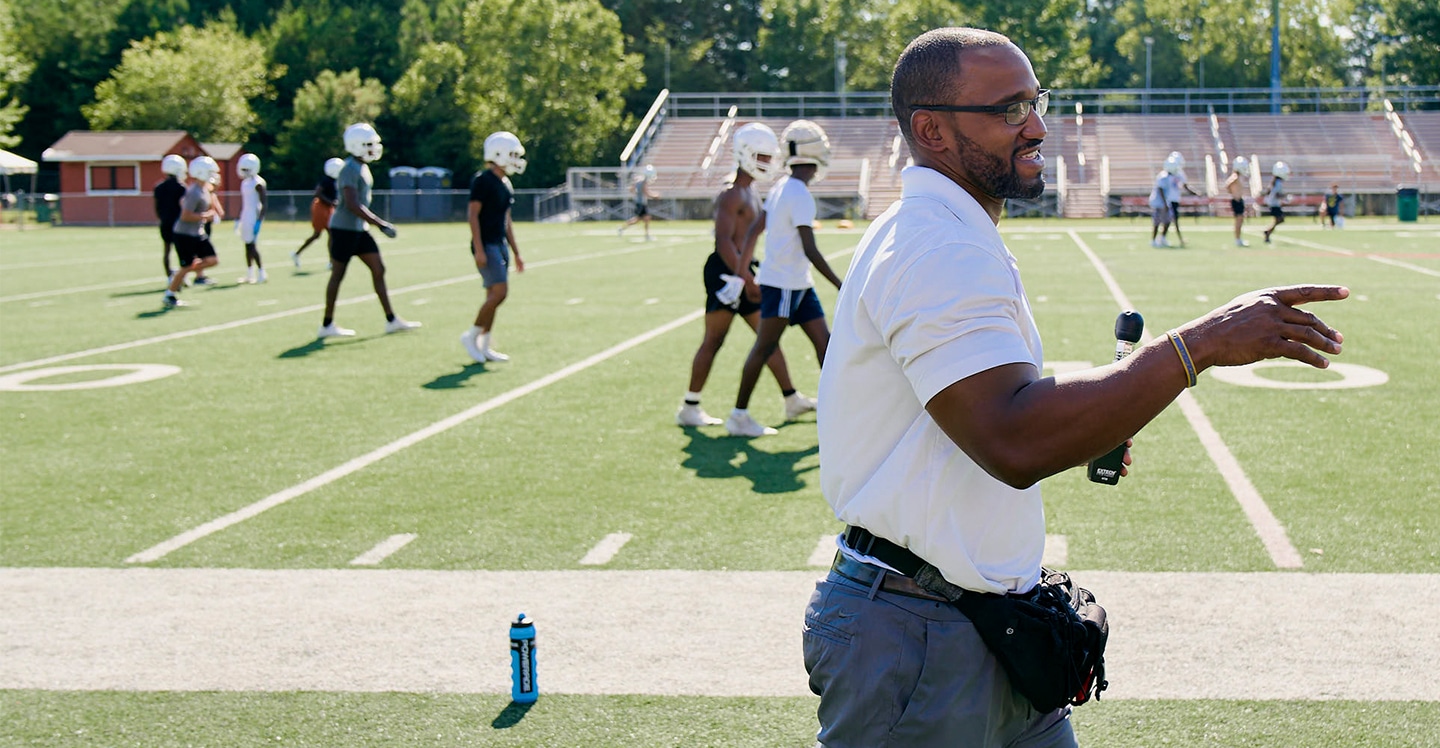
x,y
788,206
932,297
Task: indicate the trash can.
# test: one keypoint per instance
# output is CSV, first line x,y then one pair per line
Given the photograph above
x,y
402,193
1407,204
47,208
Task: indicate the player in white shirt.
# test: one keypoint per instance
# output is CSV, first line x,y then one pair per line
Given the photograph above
x,y
787,292
252,212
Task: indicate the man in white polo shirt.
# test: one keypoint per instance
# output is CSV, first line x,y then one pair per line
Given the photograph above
x,y
937,424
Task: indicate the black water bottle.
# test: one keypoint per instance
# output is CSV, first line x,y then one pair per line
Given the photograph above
x,y
1128,328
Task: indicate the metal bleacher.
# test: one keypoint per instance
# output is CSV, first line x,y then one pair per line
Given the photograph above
x,y
1095,161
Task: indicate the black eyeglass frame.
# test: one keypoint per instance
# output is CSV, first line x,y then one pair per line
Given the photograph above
x,y
1017,110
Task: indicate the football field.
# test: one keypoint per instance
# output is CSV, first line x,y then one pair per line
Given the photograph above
x,y
217,530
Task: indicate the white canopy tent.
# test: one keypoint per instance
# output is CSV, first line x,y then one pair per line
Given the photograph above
x,y
15,164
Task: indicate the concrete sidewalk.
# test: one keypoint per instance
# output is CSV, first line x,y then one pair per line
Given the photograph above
x,y
1173,635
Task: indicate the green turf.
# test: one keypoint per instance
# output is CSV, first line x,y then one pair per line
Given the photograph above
x,y
158,720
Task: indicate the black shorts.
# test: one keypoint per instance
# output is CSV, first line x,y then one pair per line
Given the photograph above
x,y
1278,213
191,248
641,210
1237,206
345,244
167,231
714,266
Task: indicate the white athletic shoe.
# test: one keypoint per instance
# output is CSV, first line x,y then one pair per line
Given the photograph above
x,y
295,258
261,277
798,404
333,330
400,324
1241,243
694,415
468,340
494,355
742,424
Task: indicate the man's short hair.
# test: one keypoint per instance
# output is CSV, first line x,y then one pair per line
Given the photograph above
x,y
928,71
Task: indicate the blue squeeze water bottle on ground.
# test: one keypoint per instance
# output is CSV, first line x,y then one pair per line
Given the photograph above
x,y
523,688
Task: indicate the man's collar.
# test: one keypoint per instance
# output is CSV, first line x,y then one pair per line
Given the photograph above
x,y
922,181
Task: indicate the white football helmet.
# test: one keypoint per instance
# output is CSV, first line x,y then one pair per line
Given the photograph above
x,y
333,167
804,142
173,165
1281,169
753,141
248,166
1175,162
504,150
649,171
204,169
1241,165
362,142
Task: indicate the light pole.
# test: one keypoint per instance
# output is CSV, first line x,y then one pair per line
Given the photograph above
x,y
1149,43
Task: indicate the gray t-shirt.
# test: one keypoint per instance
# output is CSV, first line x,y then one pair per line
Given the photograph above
x,y
355,174
642,192
195,200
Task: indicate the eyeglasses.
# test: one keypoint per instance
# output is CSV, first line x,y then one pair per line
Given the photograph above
x,y
1016,112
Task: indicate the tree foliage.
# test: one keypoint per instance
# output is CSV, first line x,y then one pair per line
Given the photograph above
x,y
201,80
555,73
427,123
324,107
14,70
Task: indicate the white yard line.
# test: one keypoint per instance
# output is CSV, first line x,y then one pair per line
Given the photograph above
x,y
824,553
164,548
310,309
157,282
1186,636
1272,534
1351,253
605,549
385,549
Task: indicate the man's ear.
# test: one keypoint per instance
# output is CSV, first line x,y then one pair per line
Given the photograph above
x,y
927,132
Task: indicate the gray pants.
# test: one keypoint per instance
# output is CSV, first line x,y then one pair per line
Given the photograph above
x,y
894,670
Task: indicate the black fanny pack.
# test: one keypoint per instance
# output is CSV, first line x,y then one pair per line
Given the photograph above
x,y
1050,641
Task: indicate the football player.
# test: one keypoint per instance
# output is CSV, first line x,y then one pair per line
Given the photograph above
x,y
730,286
167,194
198,207
492,237
644,190
1275,198
252,212
350,231
322,205
1234,185
787,291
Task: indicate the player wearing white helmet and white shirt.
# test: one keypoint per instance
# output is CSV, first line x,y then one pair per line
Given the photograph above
x,y
252,213
492,237
644,190
1235,186
167,195
1159,210
322,205
198,207
787,290
1275,199
349,231
1173,184
730,287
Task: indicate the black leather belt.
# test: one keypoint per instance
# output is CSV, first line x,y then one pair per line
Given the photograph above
x,y
861,541
865,574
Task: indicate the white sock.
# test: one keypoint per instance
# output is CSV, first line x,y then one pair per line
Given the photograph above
x,y
692,398
483,340
739,412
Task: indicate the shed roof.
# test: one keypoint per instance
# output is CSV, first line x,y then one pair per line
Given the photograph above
x,y
118,145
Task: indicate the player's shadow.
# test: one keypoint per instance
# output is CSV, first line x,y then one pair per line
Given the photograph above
x,y
769,472
144,292
456,380
317,345
510,715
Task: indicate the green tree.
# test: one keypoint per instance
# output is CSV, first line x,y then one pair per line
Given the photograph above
x,y
1397,41
201,80
555,73
13,72
427,115
323,109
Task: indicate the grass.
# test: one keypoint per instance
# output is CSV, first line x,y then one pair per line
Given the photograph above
x,y
92,476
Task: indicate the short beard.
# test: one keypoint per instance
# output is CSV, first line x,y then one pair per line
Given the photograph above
x,y
997,176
